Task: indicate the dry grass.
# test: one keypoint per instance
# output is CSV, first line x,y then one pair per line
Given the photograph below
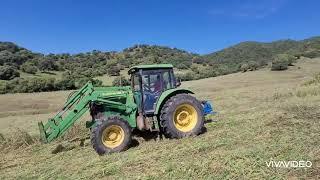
x,y
263,115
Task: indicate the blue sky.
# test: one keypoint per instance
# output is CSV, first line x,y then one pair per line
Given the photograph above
x,y
201,26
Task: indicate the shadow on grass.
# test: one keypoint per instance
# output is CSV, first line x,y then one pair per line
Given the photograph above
x,y
146,135
210,121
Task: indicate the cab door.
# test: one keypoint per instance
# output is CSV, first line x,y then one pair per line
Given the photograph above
x,y
137,90
152,88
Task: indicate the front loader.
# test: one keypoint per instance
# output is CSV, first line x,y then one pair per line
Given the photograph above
x,y
153,102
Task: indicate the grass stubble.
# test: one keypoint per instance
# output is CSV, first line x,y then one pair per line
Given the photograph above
x,y
262,116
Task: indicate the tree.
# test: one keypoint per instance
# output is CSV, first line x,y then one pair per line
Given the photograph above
x,y
8,72
197,60
29,68
47,65
280,62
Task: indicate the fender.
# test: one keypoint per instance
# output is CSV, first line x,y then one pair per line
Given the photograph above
x,y
167,94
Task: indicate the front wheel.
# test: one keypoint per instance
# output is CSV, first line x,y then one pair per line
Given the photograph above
x,y
181,116
111,135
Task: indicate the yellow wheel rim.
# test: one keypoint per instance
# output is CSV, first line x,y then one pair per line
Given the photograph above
x,y
185,117
112,136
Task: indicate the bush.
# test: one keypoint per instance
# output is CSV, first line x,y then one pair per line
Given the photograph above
x,y
120,81
28,68
183,65
280,62
253,65
35,85
47,65
291,59
82,81
250,66
3,88
28,85
244,67
114,71
66,83
8,72
188,76
206,71
312,54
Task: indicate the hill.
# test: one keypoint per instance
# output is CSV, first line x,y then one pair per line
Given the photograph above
x,y
262,53
21,69
262,115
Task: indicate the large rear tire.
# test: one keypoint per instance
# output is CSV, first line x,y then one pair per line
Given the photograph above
x,y
111,135
182,116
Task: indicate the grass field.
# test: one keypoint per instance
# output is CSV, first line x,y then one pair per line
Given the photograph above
x,y
262,116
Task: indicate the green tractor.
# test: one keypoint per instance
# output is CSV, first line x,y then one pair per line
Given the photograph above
x,y
153,102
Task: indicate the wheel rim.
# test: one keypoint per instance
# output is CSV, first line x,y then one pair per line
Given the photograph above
x,y
112,136
185,117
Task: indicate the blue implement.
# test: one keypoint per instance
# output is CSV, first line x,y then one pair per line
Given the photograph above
x,y
207,108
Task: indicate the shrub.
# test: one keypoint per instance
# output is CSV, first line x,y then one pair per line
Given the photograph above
x,y
114,71
291,59
206,71
66,83
28,68
120,81
312,54
3,88
253,65
8,72
188,76
183,65
31,85
47,65
198,60
244,67
82,81
280,62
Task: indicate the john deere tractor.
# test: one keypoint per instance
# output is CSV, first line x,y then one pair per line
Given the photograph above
x,y
153,102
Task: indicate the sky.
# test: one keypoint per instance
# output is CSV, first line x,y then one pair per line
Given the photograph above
x,y
198,26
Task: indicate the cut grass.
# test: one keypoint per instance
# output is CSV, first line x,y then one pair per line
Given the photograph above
x,y
262,116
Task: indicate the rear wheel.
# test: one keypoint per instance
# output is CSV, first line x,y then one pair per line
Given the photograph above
x,y
182,116
111,135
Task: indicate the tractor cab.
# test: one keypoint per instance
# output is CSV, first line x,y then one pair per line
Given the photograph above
x,y
148,82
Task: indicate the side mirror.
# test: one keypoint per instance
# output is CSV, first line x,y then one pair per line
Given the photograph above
x,y
178,82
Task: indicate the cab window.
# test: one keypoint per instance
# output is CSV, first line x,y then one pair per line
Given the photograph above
x,y
167,80
136,82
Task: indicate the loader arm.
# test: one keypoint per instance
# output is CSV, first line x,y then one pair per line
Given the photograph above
x,y
73,109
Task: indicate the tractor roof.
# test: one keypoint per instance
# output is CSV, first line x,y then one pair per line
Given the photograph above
x,y
150,66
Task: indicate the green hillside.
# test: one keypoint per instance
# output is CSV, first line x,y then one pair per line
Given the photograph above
x,y
21,68
263,52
